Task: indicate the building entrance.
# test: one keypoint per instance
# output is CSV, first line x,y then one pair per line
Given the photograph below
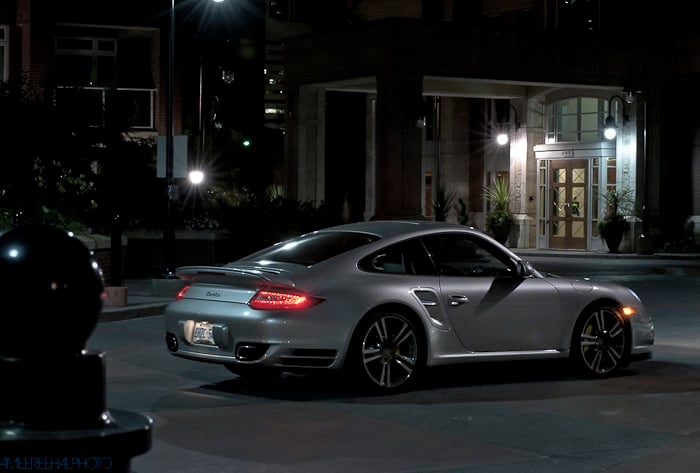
x,y
570,180
569,204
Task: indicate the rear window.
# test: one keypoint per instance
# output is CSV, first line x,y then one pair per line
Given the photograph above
x,y
313,248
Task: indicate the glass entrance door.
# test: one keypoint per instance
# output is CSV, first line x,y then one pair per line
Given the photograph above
x,y
569,197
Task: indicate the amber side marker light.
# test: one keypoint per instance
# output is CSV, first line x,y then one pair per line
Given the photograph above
x,y
628,311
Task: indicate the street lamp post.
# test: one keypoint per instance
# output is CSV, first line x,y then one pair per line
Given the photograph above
x,y
168,233
171,188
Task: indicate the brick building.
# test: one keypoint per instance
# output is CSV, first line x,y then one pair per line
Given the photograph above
x,y
405,97
410,98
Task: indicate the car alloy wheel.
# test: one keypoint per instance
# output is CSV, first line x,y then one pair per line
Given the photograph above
x,y
600,341
391,353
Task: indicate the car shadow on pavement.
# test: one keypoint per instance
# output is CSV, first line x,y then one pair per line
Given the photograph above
x,y
515,381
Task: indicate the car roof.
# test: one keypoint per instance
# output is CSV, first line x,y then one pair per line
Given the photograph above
x,y
389,228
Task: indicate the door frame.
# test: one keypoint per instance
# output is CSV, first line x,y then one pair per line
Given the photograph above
x,y
544,154
568,219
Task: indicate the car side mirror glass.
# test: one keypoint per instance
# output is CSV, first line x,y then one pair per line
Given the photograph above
x,y
524,269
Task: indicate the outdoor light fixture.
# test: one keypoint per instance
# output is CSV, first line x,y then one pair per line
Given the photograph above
x,y
610,131
503,137
196,177
172,190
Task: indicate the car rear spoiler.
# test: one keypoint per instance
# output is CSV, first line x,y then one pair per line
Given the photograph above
x,y
232,276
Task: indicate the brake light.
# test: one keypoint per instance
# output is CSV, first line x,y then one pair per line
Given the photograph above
x,y
182,292
281,298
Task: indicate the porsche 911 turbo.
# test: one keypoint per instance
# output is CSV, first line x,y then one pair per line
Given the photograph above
x,y
387,300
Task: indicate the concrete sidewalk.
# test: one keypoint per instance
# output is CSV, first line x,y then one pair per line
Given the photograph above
x,y
140,302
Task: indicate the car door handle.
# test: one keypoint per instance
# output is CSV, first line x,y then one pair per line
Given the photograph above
x,y
457,299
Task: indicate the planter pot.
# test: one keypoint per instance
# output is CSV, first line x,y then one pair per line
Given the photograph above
x,y
501,232
613,235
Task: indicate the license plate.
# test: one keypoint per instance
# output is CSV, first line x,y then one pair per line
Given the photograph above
x,y
202,333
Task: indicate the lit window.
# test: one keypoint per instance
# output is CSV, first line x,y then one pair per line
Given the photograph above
x,y
576,119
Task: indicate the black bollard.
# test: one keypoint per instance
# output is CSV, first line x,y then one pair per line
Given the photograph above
x,y
53,413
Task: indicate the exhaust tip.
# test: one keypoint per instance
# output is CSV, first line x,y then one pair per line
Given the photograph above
x,y
250,351
171,342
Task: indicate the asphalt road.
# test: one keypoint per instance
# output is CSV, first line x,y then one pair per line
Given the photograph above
x,y
519,417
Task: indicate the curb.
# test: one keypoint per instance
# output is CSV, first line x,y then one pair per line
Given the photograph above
x,y
138,311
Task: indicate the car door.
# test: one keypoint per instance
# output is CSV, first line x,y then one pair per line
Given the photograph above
x,y
491,307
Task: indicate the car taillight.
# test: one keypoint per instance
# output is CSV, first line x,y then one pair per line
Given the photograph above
x,y
182,292
281,298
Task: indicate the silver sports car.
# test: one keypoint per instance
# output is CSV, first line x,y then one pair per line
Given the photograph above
x,y
385,300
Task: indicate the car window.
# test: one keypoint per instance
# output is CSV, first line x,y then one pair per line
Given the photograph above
x,y
408,257
463,255
313,248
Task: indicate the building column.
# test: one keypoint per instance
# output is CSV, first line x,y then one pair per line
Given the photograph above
x,y
693,222
399,140
305,144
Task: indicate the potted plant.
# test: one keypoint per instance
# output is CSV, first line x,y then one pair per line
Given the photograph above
x,y
443,203
613,225
499,218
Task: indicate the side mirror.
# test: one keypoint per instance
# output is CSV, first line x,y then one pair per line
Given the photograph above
x,y
524,269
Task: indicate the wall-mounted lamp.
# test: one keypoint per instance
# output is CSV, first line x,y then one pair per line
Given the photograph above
x,y
503,137
196,177
610,131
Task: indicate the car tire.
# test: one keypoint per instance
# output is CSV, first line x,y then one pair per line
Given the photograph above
x,y
255,373
388,352
600,344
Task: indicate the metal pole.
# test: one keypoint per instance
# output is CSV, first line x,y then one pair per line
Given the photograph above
x,y
201,110
168,235
645,206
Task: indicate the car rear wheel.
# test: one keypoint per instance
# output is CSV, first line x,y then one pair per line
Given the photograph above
x,y
600,344
388,351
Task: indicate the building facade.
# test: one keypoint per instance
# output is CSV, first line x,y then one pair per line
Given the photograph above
x,y
383,114
85,56
396,101
96,58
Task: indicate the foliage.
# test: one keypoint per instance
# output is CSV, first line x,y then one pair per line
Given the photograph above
x,y
443,203
499,198
618,203
462,213
262,221
59,169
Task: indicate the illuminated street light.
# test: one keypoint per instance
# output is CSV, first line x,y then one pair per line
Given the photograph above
x,y
168,233
196,177
502,139
172,190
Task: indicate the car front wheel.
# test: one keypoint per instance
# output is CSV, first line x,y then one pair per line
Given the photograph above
x,y
388,351
600,344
